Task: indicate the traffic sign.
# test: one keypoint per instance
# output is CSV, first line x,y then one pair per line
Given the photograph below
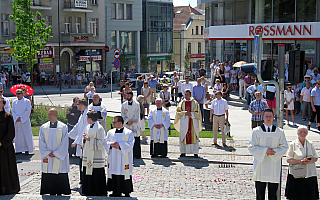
x,y
106,49
117,63
116,53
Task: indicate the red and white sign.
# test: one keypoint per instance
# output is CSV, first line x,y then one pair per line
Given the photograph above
x,y
46,52
269,31
45,66
116,53
197,55
87,58
106,49
6,48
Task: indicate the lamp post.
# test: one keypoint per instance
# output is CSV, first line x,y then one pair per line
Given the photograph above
x,y
59,33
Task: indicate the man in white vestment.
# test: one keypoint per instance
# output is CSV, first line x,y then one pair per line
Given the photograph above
x,y
119,144
101,109
159,123
130,111
188,122
21,109
53,146
7,106
267,145
77,132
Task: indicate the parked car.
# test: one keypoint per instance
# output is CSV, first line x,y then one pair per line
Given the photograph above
x,y
133,79
169,76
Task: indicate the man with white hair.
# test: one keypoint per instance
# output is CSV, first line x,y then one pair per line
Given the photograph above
x,y
159,123
101,109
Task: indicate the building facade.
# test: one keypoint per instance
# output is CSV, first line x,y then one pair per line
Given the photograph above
x,y
157,35
188,26
232,24
82,35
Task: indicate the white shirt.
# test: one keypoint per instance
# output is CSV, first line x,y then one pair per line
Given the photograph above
x,y
217,87
185,86
219,107
43,75
226,74
306,94
79,77
315,77
309,72
270,127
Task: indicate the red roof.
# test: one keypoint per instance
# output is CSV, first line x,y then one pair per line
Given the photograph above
x,y
182,15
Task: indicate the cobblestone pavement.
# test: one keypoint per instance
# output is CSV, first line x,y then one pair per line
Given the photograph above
x,y
219,173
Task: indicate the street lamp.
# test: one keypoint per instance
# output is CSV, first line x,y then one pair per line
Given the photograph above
x,y
59,33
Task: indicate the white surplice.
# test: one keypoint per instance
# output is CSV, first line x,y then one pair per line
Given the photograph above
x,y
23,138
161,117
103,110
77,132
60,151
131,113
266,168
7,107
116,159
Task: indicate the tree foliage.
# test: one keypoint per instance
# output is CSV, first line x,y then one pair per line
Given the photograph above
x,y
31,33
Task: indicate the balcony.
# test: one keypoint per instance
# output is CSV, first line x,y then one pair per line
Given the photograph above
x,y
40,5
77,6
77,37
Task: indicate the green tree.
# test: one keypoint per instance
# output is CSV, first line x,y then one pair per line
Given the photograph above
x,y
122,59
31,34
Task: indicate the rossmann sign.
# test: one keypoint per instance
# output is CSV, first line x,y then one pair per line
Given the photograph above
x,y
270,31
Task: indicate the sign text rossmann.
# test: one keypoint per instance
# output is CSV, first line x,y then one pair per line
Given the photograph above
x,y
281,30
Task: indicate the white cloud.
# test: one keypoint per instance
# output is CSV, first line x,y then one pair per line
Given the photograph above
x,y
193,3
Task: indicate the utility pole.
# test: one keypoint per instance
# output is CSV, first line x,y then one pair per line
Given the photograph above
x,y
59,33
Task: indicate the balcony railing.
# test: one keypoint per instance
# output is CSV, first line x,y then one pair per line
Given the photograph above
x,y
77,6
40,5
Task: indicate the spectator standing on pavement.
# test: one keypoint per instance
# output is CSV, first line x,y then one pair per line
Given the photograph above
x,y
79,80
186,86
28,79
90,95
267,145
271,97
221,73
202,71
53,146
316,75
188,123
315,104
121,89
310,70
233,81
146,92
7,106
43,77
251,89
289,98
100,108
3,81
173,77
72,116
305,99
302,152
297,94
139,84
21,110
159,123
153,85
213,67
119,144
199,94
125,90
242,87
257,108
140,99
9,179
219,111
205,85
88,88
165,96
247,82
176,88
227,69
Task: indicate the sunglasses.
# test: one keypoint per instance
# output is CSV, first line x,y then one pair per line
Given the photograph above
x,y
18,93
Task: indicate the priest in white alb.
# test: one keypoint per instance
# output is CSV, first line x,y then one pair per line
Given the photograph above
x,y
267,145
130,111
21,109
101,109
53,146
119,144
159,123
188,122
77,132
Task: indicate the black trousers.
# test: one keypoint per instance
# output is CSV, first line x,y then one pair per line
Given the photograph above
x,y
314,114
261,190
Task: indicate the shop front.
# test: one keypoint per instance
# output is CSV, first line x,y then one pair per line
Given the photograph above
x,y
8,62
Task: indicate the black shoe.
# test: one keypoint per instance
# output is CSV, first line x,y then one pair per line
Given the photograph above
x,y
196,156
18,153
183,155
127,195
224,145
163,156
309,127
153,156
115,195
26,153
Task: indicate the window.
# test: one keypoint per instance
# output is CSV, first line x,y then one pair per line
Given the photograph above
x,y
78,24
201,30
67,25
129,11
197,30
199,47
189,47
113,40
48,21
4,24
192,32
93,26
120,11
113,11
94,2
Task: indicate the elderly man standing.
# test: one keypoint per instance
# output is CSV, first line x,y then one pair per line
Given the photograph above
x,y
257,108
199,93
101,109
130,111
159,123
153,85
53,146
21,109
188,123
267,145
219,108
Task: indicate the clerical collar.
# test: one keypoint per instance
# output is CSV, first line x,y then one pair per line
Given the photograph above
x,y
130,103
99,104
159,108
119,130
53,125
268,127
91,125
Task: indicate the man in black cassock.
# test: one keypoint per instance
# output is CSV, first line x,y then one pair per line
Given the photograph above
x,y
72,115
9,180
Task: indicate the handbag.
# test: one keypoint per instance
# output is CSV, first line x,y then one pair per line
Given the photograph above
x,y
299,171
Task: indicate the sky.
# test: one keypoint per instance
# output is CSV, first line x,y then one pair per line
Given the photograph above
x,y
193,3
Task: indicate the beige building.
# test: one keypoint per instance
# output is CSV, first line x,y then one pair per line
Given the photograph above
x,y
188,25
